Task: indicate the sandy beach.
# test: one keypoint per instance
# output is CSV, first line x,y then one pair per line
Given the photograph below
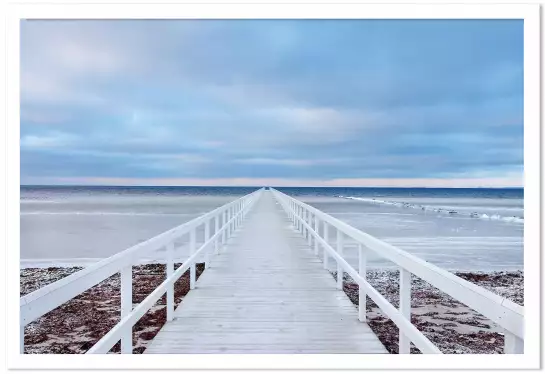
x,y
78,324
449,324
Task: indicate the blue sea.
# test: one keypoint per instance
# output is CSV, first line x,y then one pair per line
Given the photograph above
x,y
458,229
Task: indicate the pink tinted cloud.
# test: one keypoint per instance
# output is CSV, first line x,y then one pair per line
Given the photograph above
x,y
282,182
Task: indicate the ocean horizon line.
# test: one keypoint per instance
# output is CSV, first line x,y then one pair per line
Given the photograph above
x,y
267,186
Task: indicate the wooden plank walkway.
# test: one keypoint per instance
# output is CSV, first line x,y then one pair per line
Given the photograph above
x,y
266,292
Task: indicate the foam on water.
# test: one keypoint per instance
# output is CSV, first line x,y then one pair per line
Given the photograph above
x,y
443,210
81,225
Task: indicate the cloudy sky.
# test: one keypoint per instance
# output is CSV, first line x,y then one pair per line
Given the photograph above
x,y
298,102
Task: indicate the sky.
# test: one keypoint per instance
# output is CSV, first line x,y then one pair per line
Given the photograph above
x,y
428,103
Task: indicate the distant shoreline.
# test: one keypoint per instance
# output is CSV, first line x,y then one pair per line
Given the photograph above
x,y
259,186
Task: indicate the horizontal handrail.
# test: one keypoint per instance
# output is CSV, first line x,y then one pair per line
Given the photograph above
x,y
419,339
500,310
116,333
45,299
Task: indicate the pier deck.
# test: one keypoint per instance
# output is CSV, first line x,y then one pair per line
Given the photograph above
x,y
266,292
265,288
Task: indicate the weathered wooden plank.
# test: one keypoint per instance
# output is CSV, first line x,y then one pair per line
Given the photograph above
x,y
266,293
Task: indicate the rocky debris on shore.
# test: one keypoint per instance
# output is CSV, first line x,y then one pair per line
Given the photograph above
x,y
78,324
449,324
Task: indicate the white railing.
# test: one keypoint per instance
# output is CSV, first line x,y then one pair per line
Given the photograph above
x,y
505,313
43,300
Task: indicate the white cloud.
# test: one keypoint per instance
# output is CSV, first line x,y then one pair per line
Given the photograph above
x,y
47,88
326,123
178,163
180,157
287,162
61,61
53,140
282,182
84,58
149,88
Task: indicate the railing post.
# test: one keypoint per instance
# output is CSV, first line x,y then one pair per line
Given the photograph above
x,y
126,307
307,227
301,217
235,224
512,344
316,228
230,221
362,269
340,244
192,269
228,224
233,218
305,218
239,215
223,229
207,250
404,307
235,214
326,239
307,221
216,229
296,217
22,342
309,239
170,289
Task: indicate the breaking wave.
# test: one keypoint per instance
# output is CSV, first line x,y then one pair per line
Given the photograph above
x,y
400,204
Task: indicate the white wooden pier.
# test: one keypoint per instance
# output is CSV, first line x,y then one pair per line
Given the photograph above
x,y
266,287
266,293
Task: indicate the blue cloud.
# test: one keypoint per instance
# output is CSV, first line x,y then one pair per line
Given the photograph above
x,y
272,98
